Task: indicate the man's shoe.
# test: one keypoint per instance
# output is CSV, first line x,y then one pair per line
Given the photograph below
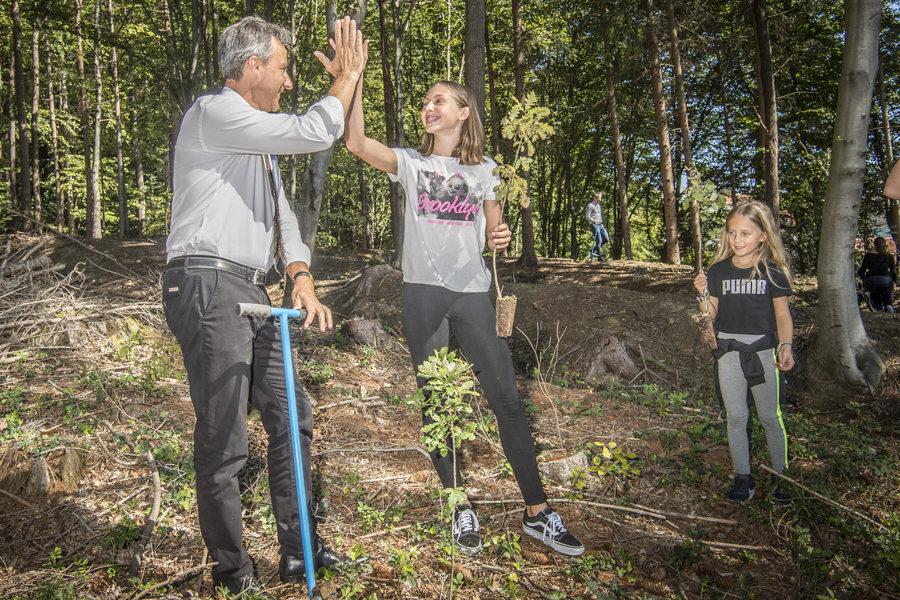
x,y
780,496
292,569
548,527
465,529
247,587
743,490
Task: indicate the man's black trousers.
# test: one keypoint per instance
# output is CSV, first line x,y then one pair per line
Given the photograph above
x,y
231,360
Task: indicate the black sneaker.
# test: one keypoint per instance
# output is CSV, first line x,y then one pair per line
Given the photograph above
x,y
549,528
245,588
743,490
465,529
780,496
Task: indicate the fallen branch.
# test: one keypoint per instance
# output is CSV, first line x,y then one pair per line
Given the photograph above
x,y
692,517
637,511
348,450
17,499
137,556
181,575
826,500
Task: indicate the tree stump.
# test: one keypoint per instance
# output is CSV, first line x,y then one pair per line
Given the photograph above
x,y
71,468
612,359
39,480
369,276
12,479
560,470
367,331
506,314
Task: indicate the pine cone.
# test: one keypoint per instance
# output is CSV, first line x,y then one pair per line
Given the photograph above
x,y
424,590
466,573
383,571
421,476
538,558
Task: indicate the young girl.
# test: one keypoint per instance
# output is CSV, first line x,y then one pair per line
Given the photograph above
x,y
451,211
746,290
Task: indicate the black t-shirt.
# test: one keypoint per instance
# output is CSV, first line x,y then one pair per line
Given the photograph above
x,y
745,302
876,265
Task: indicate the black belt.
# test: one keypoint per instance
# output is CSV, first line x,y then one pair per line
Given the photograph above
x,y
253,276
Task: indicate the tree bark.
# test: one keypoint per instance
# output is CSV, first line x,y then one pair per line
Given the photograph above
x,y
22,119
495,116
768,107
54,137
528,258
673,255
204,36
35,111
474,52
214,13
138,167
893,212
85,131
684,125
195,52
120,161
618,159
95,229
842,345
13,178
364,197
727,121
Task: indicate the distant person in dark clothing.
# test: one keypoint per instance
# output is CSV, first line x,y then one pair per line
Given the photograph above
x,y
878,272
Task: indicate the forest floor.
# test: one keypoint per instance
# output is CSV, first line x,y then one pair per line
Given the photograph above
x,y
94,405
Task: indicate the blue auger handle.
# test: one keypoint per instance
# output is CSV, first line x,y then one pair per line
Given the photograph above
x,y
283,314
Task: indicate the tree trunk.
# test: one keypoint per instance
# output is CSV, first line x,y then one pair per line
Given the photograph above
x,y
727,121
495,115
673,256
54,139
95,230
85,131
138,166
193,72
214,13
364,197
13,181
768,108
35,110
204,36
842,345
618,159
893,216
270,10
120,161
474,52
251,7
684,124
528,257
22,119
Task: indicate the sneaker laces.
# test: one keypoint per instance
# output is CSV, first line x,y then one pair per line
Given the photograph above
x,y
554,527
465,522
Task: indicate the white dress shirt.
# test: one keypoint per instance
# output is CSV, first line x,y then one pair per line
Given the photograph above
x,y
222,202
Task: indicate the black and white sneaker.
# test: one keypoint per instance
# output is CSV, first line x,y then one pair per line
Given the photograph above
x,y
743,490
549,528
780,496
465,529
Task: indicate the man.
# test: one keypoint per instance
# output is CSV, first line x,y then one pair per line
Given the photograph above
x,y
224,238
594,214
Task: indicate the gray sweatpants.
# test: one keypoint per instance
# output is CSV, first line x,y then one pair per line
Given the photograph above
x,y
768,406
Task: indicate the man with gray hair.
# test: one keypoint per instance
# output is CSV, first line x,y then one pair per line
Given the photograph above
x,y
231,223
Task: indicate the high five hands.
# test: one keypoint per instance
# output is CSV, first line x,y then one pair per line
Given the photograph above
x,y
350,50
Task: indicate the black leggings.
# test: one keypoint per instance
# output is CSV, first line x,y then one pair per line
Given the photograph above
x,y
430,314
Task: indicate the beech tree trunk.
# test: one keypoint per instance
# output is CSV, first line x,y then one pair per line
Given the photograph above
x,y
85,131
684,125
54,138
842,345
24,205
13,181
670,214
120,161
35,133
768,104
528,257
138,167
727,121
474,52
495,116
618,158
95,227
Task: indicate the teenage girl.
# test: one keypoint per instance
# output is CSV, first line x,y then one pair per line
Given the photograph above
x,y
451,212
746,291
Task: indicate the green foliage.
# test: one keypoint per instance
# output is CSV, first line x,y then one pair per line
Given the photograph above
x,y
612,460
404,562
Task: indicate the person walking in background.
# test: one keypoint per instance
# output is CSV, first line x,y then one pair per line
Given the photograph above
x,y
878,273
231,223
594,214
451,214
746,291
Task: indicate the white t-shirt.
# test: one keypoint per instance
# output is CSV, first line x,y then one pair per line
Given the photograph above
x,y
444,236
